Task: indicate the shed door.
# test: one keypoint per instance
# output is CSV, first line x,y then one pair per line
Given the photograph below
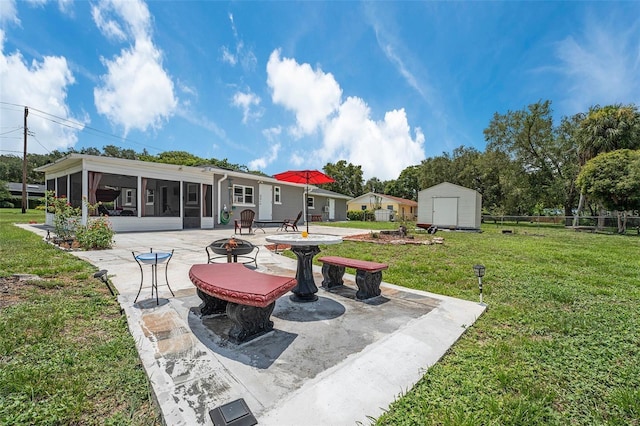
x,y
265,197
445,211
332,209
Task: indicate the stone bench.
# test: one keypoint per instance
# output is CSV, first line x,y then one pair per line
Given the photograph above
x,y
368,274
246,296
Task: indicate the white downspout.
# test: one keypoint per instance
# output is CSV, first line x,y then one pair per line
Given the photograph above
x,y
219,192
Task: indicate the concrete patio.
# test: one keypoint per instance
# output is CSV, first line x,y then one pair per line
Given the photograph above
x,y
337,361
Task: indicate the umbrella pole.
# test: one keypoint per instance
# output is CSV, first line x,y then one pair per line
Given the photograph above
x,y
306,205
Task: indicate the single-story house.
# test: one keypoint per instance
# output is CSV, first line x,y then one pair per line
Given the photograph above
x,y
147,196
401,207
34,191
447,205
35,194
326,206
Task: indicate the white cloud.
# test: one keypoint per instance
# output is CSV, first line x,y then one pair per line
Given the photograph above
x,y
245,101
262,162
382,148
272,136
272,133
242,55
136,93
297,159
347,131
41,85
601,65
8,12
311,95
228,57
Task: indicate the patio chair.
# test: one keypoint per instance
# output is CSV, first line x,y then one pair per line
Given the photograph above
x,y
293,225
246,221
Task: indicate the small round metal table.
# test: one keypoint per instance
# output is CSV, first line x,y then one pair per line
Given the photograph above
x,y
304,248
153,258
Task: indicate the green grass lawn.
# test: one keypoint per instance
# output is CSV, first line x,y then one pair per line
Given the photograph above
x,y
559,343
66,354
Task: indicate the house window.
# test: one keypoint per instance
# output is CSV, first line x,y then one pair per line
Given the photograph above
x,y
192,193
390,207
128,197
311,202
276,195
242,194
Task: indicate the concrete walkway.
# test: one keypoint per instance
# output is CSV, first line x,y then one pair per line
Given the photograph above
x,y
337,361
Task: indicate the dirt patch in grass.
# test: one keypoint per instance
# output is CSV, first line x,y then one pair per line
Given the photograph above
x,y
394,238
11,287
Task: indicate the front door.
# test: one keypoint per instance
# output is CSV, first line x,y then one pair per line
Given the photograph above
x,y
265,195
332,209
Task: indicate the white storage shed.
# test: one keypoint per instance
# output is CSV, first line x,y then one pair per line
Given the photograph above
x,y
447,205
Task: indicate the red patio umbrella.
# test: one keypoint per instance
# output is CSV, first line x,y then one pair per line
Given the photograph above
x,y
314,177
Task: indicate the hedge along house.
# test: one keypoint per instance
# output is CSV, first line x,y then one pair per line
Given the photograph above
x,y
147,196
450,206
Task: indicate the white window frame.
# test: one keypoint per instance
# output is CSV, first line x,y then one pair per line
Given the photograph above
x,y
192,193
128,197
150,197
277,195
245,198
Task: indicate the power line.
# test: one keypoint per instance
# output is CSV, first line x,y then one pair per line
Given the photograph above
x,y
39,143
17,129
75,125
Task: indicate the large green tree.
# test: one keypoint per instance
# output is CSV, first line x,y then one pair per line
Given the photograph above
x,y
613,178
374,185
347,176
407,185
606,129
460,168
544,153
504,186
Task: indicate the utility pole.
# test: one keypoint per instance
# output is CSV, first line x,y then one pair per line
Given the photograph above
x,y
24,165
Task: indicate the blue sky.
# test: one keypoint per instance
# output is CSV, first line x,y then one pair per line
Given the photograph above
x,y
291,85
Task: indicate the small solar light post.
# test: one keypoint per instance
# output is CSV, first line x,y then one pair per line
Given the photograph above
x,y
479,271
102,276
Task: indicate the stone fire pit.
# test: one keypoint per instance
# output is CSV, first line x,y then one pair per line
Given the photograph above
x,y
232,249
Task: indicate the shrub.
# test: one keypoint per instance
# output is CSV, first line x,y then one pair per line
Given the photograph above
x,y
355,215
96,234
361,215
65,220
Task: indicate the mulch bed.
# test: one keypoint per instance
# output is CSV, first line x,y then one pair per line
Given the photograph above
x,y
381,238
277,247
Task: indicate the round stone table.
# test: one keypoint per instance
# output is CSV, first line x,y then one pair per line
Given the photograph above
x,y
304,248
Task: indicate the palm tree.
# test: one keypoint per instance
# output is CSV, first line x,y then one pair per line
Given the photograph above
x,y
606,129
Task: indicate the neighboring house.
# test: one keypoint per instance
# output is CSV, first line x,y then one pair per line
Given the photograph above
x,y
326,205
146,196
402,208
450,206
34,191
